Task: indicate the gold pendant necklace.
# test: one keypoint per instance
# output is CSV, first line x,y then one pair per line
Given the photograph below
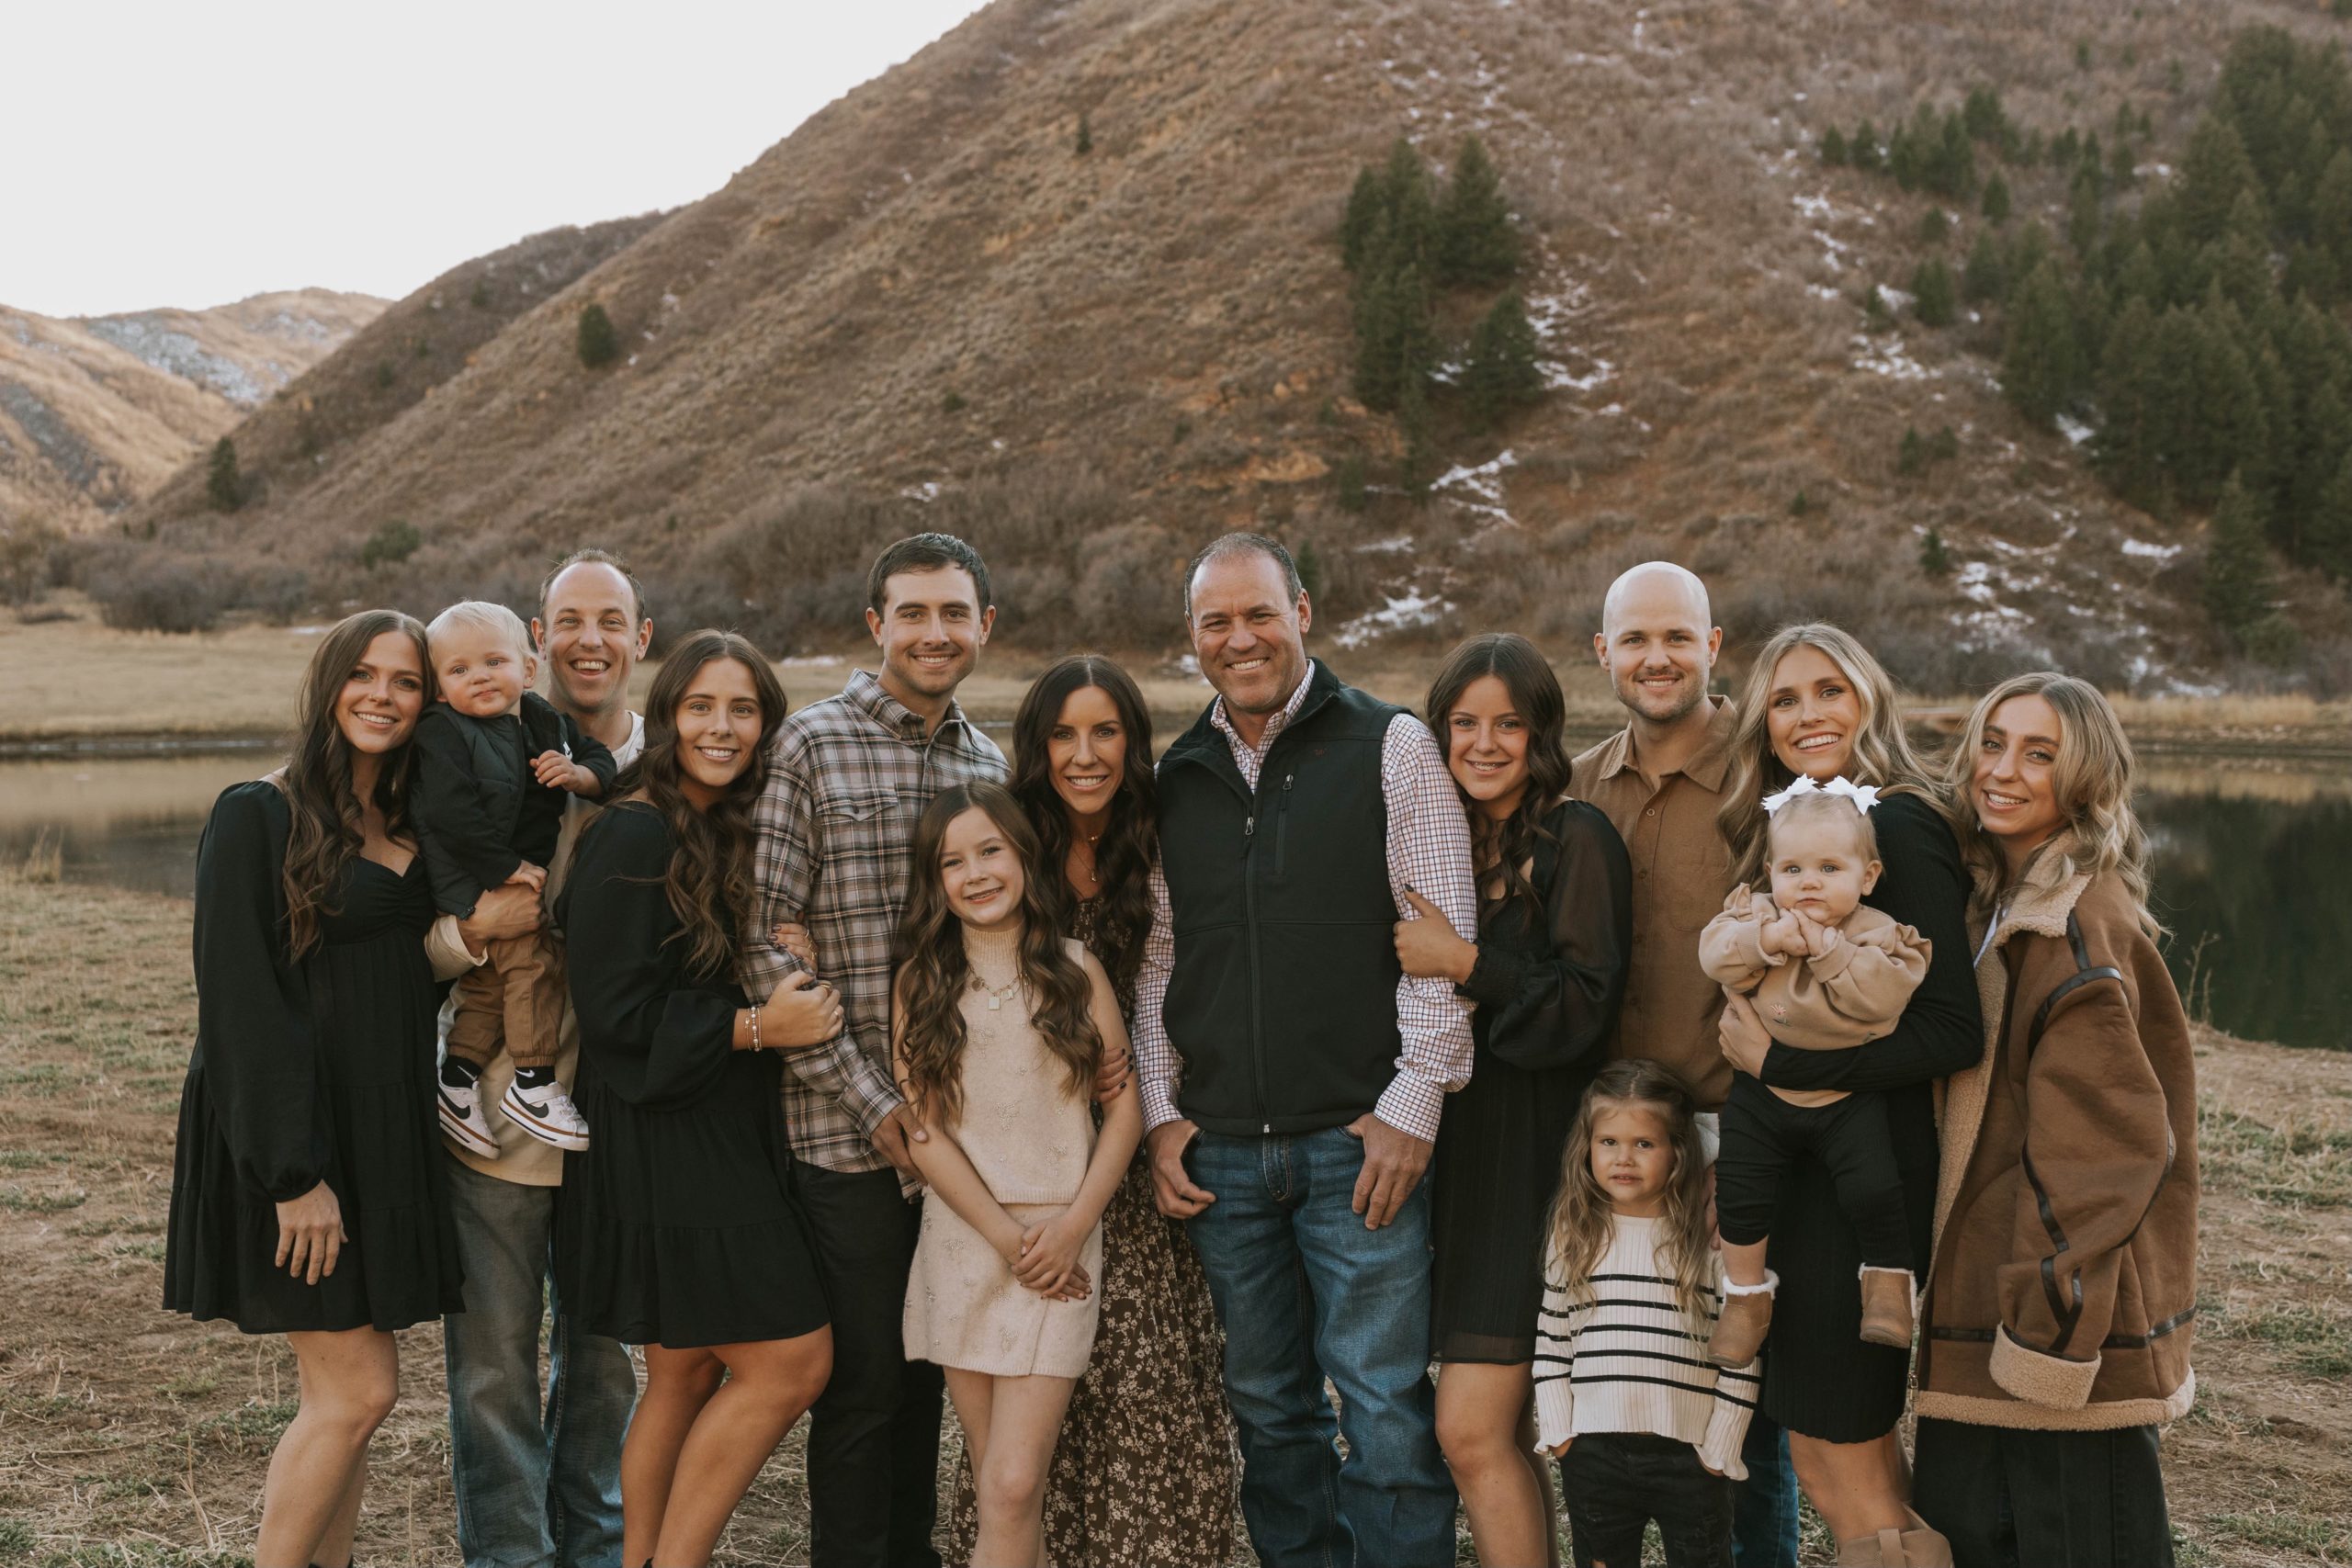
x,y
997,995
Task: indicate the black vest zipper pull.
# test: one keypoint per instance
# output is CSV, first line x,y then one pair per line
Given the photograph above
x,y
1249,831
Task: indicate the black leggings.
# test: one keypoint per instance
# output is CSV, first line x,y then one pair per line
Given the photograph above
x,y
1616,1482
1764,1134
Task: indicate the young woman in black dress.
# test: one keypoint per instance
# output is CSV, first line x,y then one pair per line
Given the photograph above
x,y
678,1230
307,1194
1547,972
1819,706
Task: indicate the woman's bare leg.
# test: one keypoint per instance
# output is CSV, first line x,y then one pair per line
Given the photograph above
x,y
678,1383
770,1384
1851,1485
1478,1410
1542,1469
349,1382
1024,1421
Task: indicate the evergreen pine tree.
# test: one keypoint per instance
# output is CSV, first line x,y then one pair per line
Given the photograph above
x,y
1996,205
2137,279
1417,466
1934,559
1366,216
2229,432
1501,374
1983,113
1475,242
1396,342
2213,172
1411,235
2128,391
2083,211
598,343
2038,363
1833,148
1935,225
1952,171
2238,586
1864,148
1932,293
2330,529
1911,458
1982,280
1085,143
222,486
2331,212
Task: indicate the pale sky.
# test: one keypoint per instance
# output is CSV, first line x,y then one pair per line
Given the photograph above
x,y
192,154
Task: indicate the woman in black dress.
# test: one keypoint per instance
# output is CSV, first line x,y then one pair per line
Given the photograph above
x,y
1818,705
1547,972
678,1230
307,1194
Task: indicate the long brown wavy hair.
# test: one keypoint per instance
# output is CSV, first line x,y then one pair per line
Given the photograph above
x,y
1130,840
709,880
1582,1221
2093,783
934,971
328,824
1535,697
1881,752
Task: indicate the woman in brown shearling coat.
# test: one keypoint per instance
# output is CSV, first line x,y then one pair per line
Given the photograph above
x,y
2057,1319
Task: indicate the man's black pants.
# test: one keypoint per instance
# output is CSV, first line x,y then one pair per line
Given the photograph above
x,y
874,1439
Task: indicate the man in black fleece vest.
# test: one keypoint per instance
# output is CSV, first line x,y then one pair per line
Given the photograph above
x,y
1291,1076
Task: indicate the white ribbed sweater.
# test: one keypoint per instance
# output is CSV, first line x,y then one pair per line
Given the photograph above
x,y
1629,1360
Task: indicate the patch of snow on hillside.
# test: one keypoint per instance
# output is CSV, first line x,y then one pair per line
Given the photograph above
x,y
1403,611
1400,544
1558,378
2148,551
926,491
2074,430
1483,484
1890,359
1817,207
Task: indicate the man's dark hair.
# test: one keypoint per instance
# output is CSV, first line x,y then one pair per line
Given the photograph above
x,y
926,552
594,557
1240,544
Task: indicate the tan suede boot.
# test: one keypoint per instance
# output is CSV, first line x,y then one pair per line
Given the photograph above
x,y
1918,1547
1746,1318
1886,1306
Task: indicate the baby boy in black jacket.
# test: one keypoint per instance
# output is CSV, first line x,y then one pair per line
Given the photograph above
x,y
495,763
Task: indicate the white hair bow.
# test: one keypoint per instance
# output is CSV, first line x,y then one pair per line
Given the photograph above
x,y
1864,796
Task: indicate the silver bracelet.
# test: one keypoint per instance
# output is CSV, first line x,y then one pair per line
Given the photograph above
x,y
756,1028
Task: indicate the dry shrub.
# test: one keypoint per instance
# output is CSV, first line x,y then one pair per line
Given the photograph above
x,y
164,591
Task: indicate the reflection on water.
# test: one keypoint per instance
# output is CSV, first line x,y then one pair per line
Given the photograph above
x,y
2248,873
2249,858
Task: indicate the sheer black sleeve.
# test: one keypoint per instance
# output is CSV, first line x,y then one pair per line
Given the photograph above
x,y
655,1037
1554,1001
254,1033
1925,886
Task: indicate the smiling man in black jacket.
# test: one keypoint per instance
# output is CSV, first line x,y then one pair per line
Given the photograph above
x,y
1292,1076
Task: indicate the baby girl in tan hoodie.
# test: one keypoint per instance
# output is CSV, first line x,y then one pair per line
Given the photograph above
x,y
1826,973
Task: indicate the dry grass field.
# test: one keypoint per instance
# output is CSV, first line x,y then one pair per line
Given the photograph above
x,y
132,1438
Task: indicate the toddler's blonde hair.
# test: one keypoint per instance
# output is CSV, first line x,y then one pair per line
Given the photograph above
x,y
481,616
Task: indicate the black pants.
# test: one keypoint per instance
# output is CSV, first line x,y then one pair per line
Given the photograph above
x,y
873,1436
1762,1136
1616,1482
2016,1499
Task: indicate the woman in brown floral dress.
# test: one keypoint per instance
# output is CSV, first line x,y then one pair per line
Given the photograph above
x,y
1146,1472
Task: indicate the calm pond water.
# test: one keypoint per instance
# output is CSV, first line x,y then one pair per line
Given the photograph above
x,y
2249,866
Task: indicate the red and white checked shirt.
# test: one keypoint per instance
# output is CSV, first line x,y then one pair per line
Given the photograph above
x,y
1429,852
833,838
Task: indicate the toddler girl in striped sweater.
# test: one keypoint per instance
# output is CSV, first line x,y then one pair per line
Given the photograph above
x,y
1644,1426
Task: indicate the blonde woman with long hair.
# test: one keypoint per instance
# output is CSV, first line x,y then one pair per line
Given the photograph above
x,y
1818,706
2060,1309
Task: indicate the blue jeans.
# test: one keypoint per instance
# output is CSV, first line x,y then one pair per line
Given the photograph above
x,y
1764,1506
539,1486
1306,1291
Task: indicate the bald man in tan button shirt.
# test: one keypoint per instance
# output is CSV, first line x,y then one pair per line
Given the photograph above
x,y
1660,779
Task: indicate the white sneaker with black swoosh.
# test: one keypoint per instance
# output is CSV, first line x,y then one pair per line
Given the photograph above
x,y
463,1123
546,1114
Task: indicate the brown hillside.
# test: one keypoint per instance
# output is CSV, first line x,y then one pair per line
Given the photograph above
x,y
404,356
925,304
96,412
